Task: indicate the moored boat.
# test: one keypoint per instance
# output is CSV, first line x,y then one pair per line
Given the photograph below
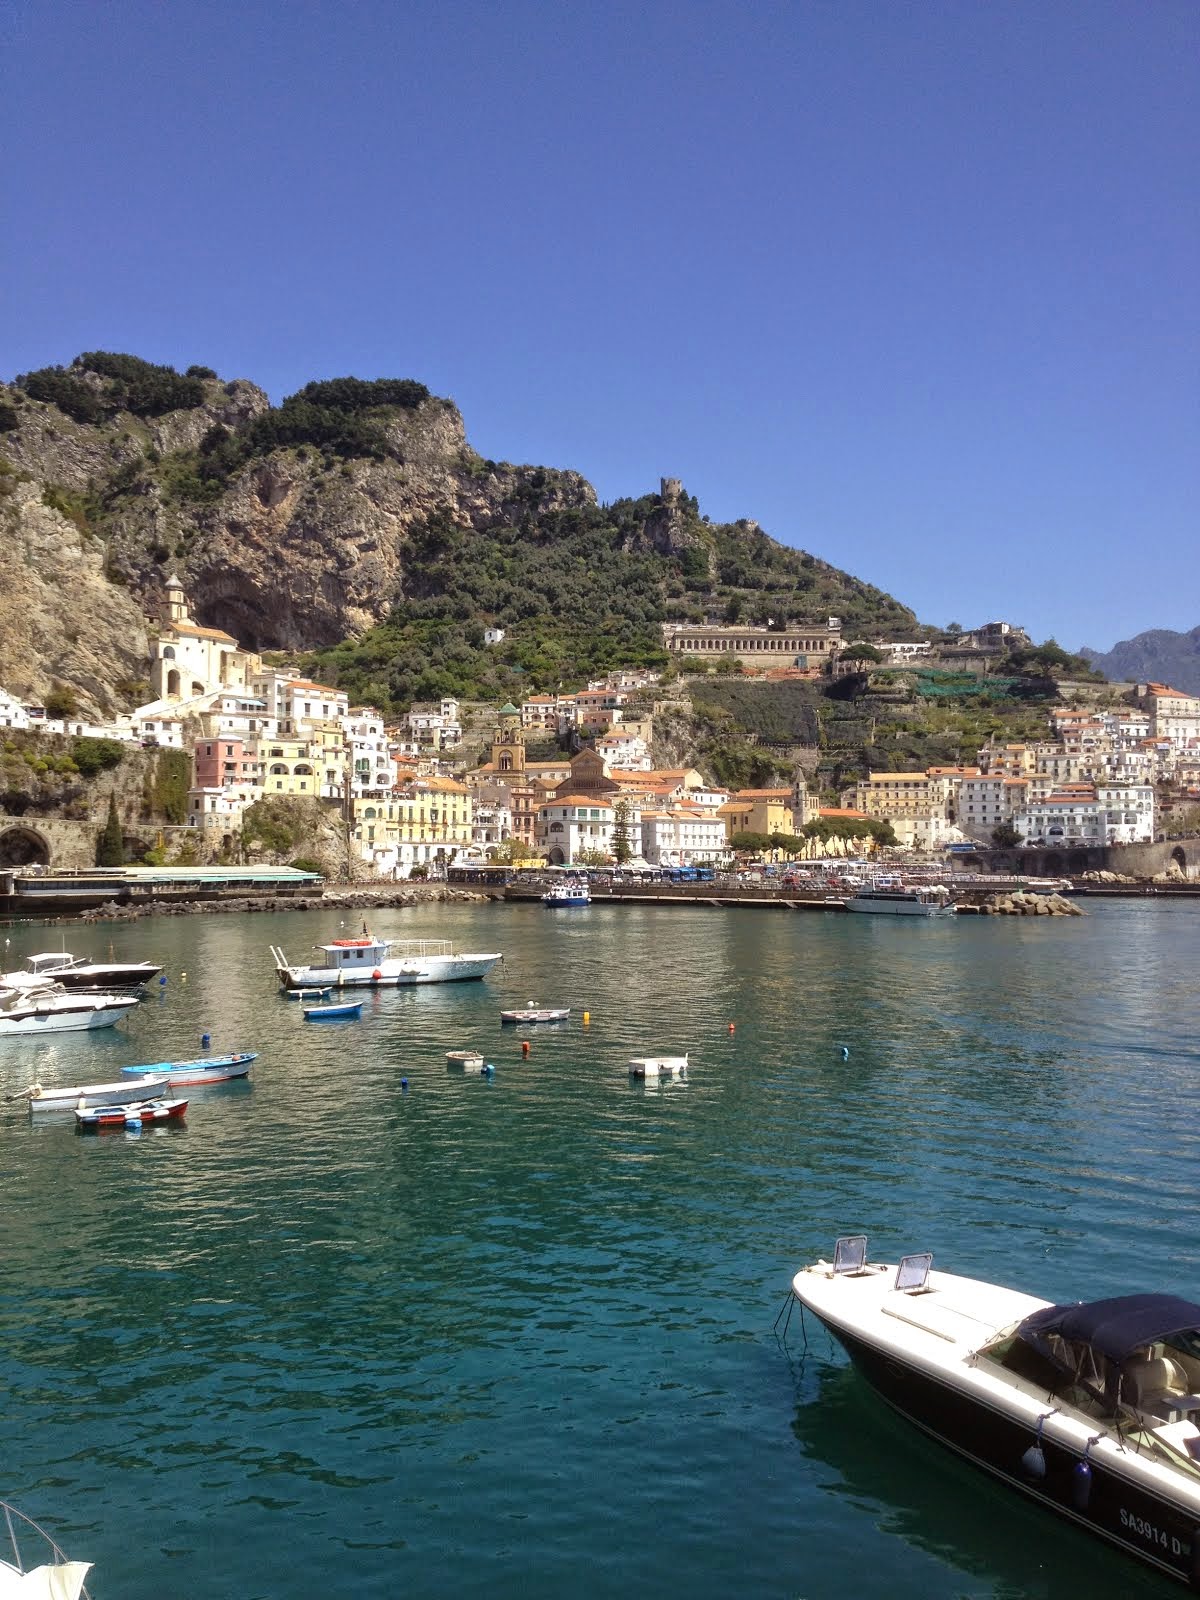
x,y
77,972
467,1060
35,1568
570,892
61,1102
192,1074
658,1067
352,1008
1090,1409
52,1009
532,1014
382,962
96,1119
924,901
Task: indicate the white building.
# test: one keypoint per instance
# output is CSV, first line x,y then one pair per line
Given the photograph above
x,y
627,751
12,713
570,824
368,752
986,800
1084,815
683,836
220,810
493,635
190,660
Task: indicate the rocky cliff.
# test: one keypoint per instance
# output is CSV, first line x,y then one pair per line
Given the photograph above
x,y
353,504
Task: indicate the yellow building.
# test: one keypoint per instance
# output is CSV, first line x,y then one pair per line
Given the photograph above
x,y
291,766
896,794
759,811
427,823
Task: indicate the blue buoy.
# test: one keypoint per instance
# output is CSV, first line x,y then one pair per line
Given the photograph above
x,y
205,1040
404,1085
162,981
489,1069
845,1052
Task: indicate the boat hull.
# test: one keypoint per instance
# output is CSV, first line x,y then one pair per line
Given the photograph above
x,y
899,908
1146,1525
192,1074
393,973
62,1102
79,1021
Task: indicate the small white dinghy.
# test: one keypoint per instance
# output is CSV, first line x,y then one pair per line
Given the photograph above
x,y
658,1067
464,1060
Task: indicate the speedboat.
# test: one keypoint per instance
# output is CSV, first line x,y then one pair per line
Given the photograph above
x,y
53,1577
53,1009
1091,1409
344,962
191,1074
899,902
77,972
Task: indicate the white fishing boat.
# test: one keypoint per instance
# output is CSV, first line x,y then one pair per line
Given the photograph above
x,y
77,972
897,901
62,1101
658,1067
53,1009
345,963
1091,1409
34,1568
531,1014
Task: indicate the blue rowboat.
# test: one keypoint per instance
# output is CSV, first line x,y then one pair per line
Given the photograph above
x,y
332,1013
207,1069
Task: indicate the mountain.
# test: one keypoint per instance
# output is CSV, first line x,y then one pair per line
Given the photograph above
x,y
355,520
1157,656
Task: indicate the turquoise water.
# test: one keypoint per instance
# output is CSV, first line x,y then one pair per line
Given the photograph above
x,y
515,1337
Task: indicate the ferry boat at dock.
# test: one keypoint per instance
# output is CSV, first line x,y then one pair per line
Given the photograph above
x,y
351,963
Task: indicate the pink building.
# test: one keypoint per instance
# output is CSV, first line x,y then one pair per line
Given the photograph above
x,y
224,764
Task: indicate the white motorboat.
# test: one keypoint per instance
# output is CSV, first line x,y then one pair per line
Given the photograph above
x,y
77,972
658,1067
35,1568
927,901
383,962
53,1009
62,1101
1090,1409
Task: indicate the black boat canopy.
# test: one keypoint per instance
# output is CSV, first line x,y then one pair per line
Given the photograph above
x,y
1115,1327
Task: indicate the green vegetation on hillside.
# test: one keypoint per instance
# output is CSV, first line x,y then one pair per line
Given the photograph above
x,y
126,383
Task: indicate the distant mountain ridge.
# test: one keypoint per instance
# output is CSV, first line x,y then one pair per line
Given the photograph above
x,y
1159,655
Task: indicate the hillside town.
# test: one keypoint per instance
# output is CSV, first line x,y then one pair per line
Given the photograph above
x,y
568,779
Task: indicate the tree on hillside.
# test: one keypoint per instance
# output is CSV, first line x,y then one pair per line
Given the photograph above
x,y
110,846
1005,836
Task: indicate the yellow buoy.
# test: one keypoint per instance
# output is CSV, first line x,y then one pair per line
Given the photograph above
x,y
587,1017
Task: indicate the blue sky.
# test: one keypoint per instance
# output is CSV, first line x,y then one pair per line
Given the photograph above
x,y
912,284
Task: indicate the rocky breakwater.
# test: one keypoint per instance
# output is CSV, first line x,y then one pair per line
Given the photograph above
x,y
348,899
1025,903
